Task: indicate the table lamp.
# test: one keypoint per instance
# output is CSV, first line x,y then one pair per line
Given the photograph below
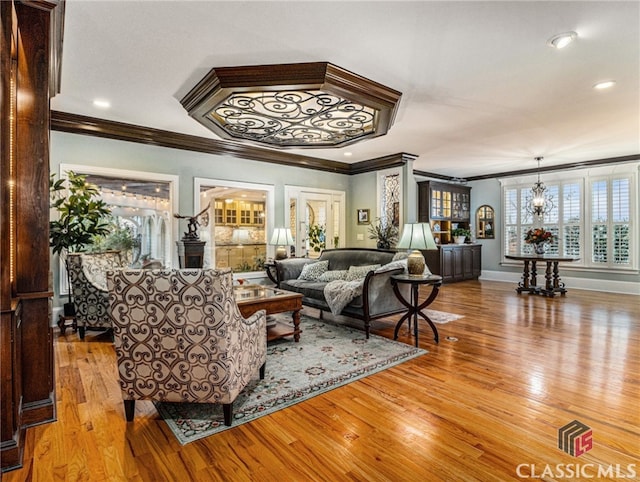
x,y
415,237
281,238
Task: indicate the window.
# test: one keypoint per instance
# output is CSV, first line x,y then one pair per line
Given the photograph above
x,y
593,217
141,203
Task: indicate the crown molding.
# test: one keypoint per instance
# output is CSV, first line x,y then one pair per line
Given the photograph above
x,y
385,162
93,126
535,170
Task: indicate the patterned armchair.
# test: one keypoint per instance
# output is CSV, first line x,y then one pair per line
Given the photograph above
x,y
179,337
88,277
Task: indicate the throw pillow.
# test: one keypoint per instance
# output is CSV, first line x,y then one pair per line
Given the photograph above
x,y
313,271
359,272
338,274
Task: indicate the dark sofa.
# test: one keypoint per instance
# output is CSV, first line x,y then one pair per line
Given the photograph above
x,y
377,300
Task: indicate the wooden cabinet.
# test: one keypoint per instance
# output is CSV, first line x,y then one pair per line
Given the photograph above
x,y
238,212
455,262
248,257
444,206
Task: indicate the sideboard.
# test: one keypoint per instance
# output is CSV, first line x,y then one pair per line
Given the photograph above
x,y
455,262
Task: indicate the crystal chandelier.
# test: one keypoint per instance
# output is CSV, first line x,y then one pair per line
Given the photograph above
x,y
540,202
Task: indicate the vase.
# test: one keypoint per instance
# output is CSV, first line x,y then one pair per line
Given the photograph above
x,y
540,248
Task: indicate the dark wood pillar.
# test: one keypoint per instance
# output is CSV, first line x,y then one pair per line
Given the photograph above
x,y
11,431
32,208
26,347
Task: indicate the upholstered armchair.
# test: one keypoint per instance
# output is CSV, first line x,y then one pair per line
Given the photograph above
x,y
88,278
179,337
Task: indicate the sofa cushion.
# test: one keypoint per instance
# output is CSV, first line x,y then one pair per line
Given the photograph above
x,y
359,272
313,271
310,289
342,258
338,274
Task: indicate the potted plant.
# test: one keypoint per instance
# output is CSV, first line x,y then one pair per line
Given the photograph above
x,y
119,238
460,235
81,216
385,234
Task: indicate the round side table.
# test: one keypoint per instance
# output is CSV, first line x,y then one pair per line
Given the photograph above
x,y
414,307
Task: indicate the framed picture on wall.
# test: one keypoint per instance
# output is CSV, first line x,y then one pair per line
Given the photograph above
x,y
363,216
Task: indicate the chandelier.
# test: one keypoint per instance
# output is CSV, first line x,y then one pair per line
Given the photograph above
x,y
540,202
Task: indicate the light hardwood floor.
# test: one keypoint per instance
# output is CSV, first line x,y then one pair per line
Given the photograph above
x,y
485,407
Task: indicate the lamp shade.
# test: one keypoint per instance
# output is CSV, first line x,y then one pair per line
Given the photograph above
x,y
417,236
282,237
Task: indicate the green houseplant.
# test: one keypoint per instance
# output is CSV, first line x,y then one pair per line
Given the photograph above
x,y
385,234
460,234
82,215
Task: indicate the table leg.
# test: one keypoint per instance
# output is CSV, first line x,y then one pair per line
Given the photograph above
x,y
399,324
548,282
425,303
296,325
414,300
534,273
523,285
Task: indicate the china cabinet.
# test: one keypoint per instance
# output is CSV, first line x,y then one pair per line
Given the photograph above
x,y
447,207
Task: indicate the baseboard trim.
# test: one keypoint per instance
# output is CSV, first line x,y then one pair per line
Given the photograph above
x,y
589,284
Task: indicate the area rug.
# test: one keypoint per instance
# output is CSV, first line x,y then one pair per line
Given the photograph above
x,y
328,356
441,316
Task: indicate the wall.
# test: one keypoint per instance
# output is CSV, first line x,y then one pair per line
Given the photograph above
x,y
361,194
94,151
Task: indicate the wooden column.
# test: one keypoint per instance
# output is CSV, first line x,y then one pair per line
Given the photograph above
x,y
32,209
28,396
11,431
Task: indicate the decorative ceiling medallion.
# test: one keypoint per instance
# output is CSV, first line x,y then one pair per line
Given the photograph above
x,y
312,105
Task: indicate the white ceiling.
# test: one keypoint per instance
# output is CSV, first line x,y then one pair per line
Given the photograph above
x,y
482,92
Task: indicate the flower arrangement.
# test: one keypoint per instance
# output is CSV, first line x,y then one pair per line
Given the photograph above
x,y
538,236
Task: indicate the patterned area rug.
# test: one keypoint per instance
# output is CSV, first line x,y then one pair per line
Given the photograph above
x,y
441,317
328,356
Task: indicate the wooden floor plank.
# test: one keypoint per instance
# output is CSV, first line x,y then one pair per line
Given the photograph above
x,y
476,408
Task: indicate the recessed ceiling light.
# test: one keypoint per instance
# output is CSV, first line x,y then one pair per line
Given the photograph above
x,y
604,85
101,103
348,154
561,40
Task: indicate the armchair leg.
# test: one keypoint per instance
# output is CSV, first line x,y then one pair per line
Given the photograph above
x,y
129,409
262,370
227,408
81,330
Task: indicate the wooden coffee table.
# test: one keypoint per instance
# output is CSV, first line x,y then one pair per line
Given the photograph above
x,y
252,298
